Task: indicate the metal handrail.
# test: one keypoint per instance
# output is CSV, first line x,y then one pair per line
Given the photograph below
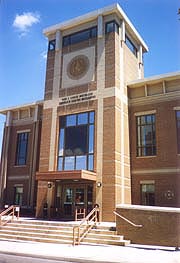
x,y
9,214
127,220
85,225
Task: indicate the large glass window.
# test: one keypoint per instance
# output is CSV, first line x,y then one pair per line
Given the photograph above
x,y
76,142
80,36
21,151
146,137
147,194
178,129
131,45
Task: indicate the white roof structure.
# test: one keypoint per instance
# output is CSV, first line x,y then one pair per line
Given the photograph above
x,y
115,8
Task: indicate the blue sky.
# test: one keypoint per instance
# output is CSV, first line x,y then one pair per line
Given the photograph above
x,y
23,46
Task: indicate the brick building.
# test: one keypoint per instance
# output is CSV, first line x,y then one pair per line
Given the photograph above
x,y
103,133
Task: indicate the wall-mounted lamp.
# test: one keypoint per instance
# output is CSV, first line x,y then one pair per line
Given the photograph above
x,y
49,184
99,184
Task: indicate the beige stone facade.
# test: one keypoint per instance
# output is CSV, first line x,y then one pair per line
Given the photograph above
x,y
87,140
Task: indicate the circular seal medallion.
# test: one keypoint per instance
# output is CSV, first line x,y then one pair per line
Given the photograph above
x,y
169,194
78,67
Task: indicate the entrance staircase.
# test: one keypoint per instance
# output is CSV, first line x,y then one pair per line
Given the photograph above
x,y
59,232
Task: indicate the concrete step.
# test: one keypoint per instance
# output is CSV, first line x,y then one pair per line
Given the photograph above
x,y
88,240
45,223
65,236
59,223
38,227
59,232
34,239
102,234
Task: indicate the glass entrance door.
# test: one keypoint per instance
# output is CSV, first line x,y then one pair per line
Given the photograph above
x,y
79,196
68,202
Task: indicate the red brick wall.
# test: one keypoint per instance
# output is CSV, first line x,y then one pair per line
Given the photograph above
x,y
165,164
159,226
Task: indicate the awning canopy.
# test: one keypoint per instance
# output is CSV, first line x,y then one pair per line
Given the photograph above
x,y
66,175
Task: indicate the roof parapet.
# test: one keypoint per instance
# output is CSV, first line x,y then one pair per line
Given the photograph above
x,y
114,8
33,104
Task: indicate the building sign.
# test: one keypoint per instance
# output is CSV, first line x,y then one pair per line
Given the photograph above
x,y
77,98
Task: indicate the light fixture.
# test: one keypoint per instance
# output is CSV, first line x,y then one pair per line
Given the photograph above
x,y
49,184
99,184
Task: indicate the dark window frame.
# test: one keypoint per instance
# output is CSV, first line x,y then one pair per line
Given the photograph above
x,y
147,197
88,154
115,27
52,45
18,196
22,141
142,148
68,40
178,129
129,43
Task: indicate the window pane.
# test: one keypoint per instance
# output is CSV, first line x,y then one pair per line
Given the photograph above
x,y
79,196
19,189
149,119
69,163
71,120
91,162
60,163
61,142
109,27
81,162
82,118
66,41
147,194
18,194
80,36
146,137
178,115
93,32
91,117
21,152
63,121
76,140
91,139
131,46
52,44
178,130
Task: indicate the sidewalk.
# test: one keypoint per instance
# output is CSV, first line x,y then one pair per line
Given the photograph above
x,y
90,253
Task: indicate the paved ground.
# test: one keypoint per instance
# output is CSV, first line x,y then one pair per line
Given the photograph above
x,y
89,253
4,258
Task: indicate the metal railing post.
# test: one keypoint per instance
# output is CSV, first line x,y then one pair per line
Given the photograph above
x,y
13,213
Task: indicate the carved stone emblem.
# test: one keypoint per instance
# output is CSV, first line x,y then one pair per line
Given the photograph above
x,y
78,67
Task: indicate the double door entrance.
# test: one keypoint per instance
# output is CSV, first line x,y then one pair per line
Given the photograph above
x,y
72,196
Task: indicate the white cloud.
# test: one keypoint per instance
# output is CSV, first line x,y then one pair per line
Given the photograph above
x,y
25,21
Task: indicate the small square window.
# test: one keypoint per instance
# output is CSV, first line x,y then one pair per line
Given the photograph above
x,y
112,27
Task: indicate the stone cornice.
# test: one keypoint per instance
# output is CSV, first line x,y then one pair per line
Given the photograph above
x,y
115,8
